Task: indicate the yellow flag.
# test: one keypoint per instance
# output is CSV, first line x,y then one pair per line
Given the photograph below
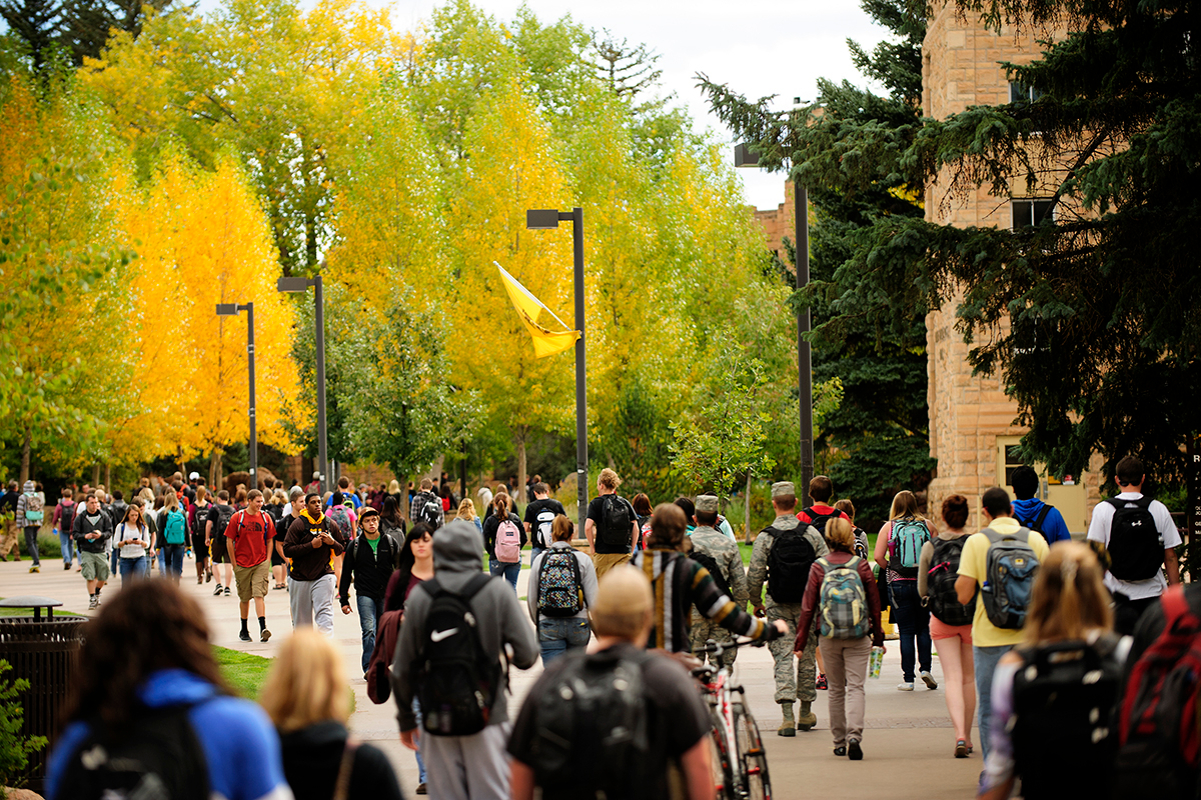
x,y
531,310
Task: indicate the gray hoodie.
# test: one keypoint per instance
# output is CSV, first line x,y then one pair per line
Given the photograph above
x,y
458,548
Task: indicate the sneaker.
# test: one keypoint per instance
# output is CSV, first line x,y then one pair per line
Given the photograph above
x,y
227,591
244,636
67,567
905,686
421,789
841,750
217,591
854,751
928,679
92,604
821,682
35,568
264,635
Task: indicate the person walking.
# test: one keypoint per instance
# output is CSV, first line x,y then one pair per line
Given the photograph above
x,y
9,545
148,690
198,523
64,519
898,552
425,506
504,537
782,557
821,489
561,589
305,696
1000,561
133,541
722,558
173,532
220,514
1141,539
611,526
467,512
390,520
464,747
312,543
861,544
540,517
341,514
250,533
1032,513
842,603
92,531
30,515
951,626
369,564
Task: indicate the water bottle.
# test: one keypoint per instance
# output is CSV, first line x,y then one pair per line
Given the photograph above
x,y
877,661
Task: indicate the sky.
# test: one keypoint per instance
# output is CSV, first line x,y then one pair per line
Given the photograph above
x,y
767,47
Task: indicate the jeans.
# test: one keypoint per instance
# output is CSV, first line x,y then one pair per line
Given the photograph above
x,y
535,551
370,610
913,623
986,660
162,562
31,544
67,542
172,556
420,742
138,567
510,571
558,635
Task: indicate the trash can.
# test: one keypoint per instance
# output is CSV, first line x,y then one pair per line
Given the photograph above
x,y
44,650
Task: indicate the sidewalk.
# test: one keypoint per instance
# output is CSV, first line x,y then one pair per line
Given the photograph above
x,y
907,745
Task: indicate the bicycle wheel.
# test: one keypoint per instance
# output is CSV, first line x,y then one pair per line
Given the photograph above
x,y
752,758
720,760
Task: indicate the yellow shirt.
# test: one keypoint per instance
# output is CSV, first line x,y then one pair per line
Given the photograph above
x,y
974,564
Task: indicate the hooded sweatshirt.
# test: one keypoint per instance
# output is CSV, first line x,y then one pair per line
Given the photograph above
x,y
313,758
1054,529
309,563
457,550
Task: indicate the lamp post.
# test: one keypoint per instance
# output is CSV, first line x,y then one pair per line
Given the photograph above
x,y
745,156
231,310
302,285
545,219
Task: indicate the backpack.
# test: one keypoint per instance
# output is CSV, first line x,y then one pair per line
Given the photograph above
x,y
1063,696
1035,523
157,757
340,518
35,508
379,684
944,571
1158,737
508,542
175,526
385,538
617,521
1009,578
818,520
644,532
199,519
427,508
225,512
788,564
861,543
710,563
66,517
843,601
909,535
1135,543
560,588
542,528
117,512
592,733
457,681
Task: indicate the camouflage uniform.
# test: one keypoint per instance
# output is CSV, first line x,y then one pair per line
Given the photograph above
x,y
802,686
725,552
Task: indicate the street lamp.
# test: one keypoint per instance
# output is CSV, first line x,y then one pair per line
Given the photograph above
x,y
746,156
231,310
295,285
546,219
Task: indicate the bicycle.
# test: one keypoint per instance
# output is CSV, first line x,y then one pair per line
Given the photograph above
x,y
738,758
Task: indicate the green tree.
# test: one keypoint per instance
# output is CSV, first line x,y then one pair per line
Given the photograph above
x,y
15,749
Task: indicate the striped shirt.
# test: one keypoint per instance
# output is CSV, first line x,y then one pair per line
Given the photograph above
x,y
678,583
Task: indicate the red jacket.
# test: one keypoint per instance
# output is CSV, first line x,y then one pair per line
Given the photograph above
x,y
809,604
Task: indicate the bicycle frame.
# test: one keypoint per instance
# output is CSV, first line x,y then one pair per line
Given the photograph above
x,y
740,764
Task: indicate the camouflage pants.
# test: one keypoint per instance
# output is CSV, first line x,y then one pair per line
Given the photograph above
x,y
9,542
803,684
702,631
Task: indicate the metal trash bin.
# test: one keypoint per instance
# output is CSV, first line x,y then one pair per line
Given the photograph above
x,y
43,650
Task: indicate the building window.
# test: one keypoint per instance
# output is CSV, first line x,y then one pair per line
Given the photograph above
x,y
1023,93
1012,461
1027,213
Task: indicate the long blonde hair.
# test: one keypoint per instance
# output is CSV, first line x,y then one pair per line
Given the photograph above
x,y
904,504
1069,598
466,510
307,683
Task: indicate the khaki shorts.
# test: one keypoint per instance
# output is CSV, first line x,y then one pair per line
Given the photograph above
x,y
607,561
252,581
95,566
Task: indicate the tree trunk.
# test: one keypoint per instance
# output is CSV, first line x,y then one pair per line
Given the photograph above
x,y
215,476
26,455
95,475
747,535
108,477
518,491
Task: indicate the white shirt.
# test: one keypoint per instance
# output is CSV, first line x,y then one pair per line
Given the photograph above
x,y
132,550
1098,531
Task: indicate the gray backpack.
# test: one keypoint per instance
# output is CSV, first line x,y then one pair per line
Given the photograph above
x,y
843,601
1009,578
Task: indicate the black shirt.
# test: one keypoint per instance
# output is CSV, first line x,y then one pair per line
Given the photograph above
x,y
676,717
540,529
596,514
8,502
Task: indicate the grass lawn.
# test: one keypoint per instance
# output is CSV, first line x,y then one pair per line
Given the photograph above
x,y
243,672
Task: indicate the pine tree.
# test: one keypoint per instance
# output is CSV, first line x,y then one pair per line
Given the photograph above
x,y
37,23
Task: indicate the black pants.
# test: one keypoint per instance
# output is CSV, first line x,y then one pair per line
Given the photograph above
x,y
1126,612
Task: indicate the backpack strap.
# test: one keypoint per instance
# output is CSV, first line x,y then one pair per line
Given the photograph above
x,y
1042,517
345,768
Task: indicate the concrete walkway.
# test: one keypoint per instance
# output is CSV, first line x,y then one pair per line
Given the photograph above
x,y
908,742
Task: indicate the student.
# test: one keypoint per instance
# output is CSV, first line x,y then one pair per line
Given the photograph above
x,y
504,537
562,587
305,696
821,489
1045,727
898,551
199,521
64,518
539,516
718,554
30,514
312,543
842,603
1033,513
147,673
373,557
250,534
550,740
132,540
467,512
173,527
220,513
611,525
92,531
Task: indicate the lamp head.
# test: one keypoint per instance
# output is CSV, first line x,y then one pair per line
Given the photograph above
x,y
540,219
744,156
227,309
292,284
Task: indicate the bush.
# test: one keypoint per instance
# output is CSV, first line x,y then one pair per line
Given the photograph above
x,y
14,748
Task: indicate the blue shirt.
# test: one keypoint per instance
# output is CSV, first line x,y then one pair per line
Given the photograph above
x,y
1054,529
354,499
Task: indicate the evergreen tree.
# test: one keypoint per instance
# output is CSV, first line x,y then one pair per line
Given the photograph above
x,y
36,23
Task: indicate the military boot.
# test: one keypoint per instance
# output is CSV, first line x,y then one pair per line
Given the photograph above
x,y
807,718
788,726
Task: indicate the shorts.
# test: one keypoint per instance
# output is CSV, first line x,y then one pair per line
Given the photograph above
x,y
95,566
199,547
252,581
220,551
941,630
276,559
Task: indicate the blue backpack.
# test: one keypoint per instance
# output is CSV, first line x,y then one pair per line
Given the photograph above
x,y
1009,578
175,527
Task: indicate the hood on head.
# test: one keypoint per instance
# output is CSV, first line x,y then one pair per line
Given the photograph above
x,y
458,547
30,487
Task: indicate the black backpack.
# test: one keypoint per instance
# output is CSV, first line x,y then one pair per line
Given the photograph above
x,y
819,520
617,521
1063,699
788,564
157,757
1135,543
225,512
428,509
457,681
710,563
199,519
592,737
66,517
1035,523
944,571
117,512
